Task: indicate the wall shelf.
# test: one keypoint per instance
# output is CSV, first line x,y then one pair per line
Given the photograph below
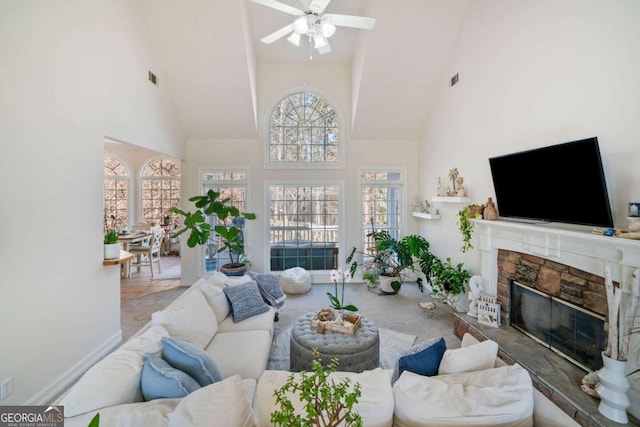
x,y
425,215
451,199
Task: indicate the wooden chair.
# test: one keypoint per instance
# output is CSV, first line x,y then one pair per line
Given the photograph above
x,y
149,253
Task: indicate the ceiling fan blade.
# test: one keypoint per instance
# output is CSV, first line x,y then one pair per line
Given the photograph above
x,y
277,34
362,22
318,6
280,6
324,49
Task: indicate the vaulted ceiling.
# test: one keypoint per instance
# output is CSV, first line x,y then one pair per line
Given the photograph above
x,y
210,50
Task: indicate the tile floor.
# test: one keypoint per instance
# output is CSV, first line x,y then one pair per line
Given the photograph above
x,y
141,283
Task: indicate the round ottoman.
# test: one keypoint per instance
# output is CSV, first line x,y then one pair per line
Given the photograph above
x,y
295,280
356,353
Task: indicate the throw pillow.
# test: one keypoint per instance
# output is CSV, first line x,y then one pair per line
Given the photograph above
x,y
246,301
192,360
411,350
189,318
224,403
217,300
473,358
160,380
425,362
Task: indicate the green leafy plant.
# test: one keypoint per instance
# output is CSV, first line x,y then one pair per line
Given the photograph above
x,y
326,402
111,237
95,421
229,232
448,278
466,225
345,276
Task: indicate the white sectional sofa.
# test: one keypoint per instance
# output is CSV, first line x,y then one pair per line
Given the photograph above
x,y
244,395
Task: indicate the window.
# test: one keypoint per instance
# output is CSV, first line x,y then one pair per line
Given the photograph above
x,y
231,184
304,226
116,194
304,130
382,201
160,179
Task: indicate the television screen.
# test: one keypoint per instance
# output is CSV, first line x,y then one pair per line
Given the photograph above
x,y
560,183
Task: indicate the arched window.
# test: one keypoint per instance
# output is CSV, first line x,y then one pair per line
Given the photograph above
x,y
116,194
160,180
304,130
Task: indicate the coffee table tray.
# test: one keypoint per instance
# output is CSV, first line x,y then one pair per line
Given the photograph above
x,y
349,324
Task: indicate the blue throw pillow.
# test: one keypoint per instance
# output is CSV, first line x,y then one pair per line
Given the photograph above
x,y
245,300
191,359
424,362
160,380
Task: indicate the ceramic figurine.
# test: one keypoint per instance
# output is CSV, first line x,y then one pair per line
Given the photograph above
x,y
442,190
476,287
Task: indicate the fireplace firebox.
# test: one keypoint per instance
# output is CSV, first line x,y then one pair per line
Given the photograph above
x,y
573,332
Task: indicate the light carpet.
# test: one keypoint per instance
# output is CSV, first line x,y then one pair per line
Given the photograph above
x,y
392,343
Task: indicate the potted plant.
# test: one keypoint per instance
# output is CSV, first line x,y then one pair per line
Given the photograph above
x,y
229,231
345,276
325,401
448,280
394,257
466,225
111,245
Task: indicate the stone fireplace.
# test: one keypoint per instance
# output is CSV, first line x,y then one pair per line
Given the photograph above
x,y
567,266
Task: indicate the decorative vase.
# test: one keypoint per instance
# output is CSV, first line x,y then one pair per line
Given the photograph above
x,y
490,213
385,284
613,390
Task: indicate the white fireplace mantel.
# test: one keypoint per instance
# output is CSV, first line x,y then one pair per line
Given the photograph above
x,y
576,248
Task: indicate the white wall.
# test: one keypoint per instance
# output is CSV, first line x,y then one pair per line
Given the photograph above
x,y
535,73
72,73
274,82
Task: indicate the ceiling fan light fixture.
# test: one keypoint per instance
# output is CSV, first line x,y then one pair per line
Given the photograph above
x,y
319,41
301,25
294,39
328,29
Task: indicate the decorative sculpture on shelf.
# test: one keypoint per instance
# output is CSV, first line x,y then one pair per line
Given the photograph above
x,y
459,189
443,191
456,189
476,287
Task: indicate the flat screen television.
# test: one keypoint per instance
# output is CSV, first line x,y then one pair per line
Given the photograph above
x,y
562,183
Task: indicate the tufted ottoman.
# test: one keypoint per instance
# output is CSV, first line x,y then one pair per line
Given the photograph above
x,y
295,280
356,353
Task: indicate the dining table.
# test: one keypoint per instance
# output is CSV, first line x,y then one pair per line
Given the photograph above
x,y
126,239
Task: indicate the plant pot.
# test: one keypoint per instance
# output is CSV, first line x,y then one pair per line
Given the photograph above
x,y
111,250
234,269
385,284
612,389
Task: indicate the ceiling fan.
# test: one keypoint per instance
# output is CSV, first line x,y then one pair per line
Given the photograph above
x,y
313,23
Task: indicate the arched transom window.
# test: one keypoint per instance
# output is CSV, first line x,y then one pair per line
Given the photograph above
x,y
160,180
304,129
116,194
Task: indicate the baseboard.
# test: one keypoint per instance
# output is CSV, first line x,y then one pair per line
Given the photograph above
x,y
53,390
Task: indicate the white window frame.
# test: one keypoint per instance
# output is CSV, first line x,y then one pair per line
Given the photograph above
x,y
142,178
402,203
318,276
126,178
268,164
236,183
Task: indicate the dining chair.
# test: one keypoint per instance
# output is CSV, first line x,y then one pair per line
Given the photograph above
x,y
148,254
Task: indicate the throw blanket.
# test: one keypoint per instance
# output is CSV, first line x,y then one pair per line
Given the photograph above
x,y
270,289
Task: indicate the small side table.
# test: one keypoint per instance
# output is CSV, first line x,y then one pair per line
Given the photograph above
x,y
356,353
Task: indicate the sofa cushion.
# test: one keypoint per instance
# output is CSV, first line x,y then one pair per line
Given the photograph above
x,y
245,301
154,413
425,361
150,341
217,300
375,405
221,404
259,322
160,380
491,397
473,358
189,318
243,353
191,359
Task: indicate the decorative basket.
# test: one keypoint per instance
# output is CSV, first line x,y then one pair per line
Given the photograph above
x,y
489,310
348,324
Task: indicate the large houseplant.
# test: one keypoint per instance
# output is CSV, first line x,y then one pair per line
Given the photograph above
x,y
394,257
229,230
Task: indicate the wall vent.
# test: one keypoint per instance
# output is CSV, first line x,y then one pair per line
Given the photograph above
x,y
152,78
454,79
